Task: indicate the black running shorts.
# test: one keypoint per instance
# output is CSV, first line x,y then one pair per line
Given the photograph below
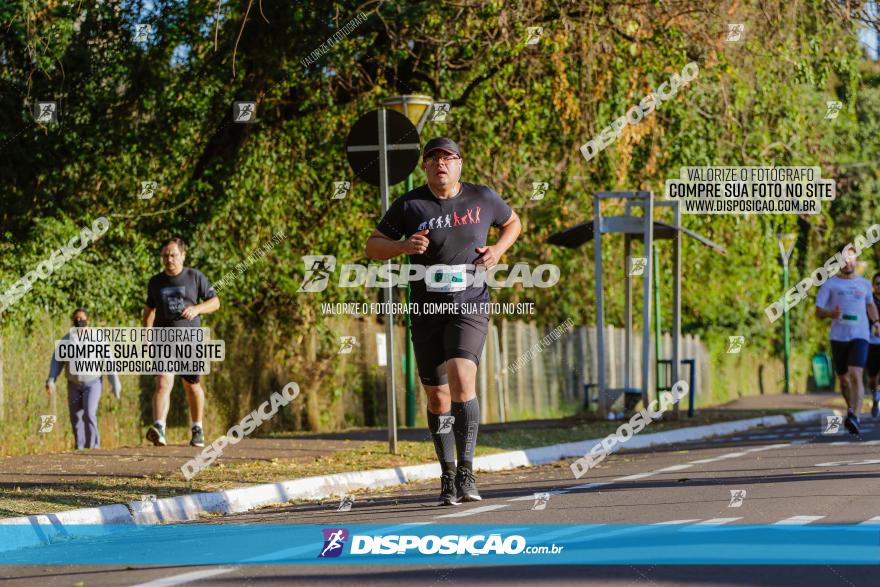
x,y
873,366
851,353
440,338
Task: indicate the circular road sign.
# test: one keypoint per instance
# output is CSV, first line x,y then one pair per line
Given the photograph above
x,y
401,142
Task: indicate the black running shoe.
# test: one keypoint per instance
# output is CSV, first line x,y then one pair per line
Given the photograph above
x,y
875,409
198,437
852,424
466,485
156,435
447,490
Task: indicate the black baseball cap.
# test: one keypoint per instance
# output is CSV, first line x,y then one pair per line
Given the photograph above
x,y
441,143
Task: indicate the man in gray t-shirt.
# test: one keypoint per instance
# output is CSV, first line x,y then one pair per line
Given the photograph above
x,y
846,299
173,302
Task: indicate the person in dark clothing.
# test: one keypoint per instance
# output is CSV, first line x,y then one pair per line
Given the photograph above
x,y
444,225
173,302
83,392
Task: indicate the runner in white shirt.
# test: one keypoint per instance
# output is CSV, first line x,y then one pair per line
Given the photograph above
x,y
846,298
874,354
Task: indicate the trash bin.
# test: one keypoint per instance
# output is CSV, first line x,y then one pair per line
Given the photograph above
x,y
822,372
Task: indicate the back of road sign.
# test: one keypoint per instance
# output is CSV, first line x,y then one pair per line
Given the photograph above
x,y
401,143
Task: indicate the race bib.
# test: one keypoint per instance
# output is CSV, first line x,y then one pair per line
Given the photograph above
x,y
446,278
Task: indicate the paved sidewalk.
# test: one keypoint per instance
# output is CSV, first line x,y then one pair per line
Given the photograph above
x,y
137,462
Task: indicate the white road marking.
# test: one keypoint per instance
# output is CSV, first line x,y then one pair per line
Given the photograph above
x,y
674,468
531,496
187,577
872,522
676,522
471,512
718,521
635,477
588,486
798,520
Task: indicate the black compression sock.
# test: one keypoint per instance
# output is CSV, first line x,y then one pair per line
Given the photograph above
x,y
466,426
444,442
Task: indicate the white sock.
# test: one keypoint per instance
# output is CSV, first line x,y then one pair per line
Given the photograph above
x,y
199,424
160,423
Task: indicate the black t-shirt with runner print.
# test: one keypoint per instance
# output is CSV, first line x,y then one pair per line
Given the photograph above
x,y
456,227
171,294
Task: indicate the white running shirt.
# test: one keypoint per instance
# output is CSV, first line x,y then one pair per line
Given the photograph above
x,y
853,296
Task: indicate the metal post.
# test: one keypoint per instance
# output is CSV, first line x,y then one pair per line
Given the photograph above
x,y
676,299
389,320
600,305
410,353
658,330
628,315
786,324
646,309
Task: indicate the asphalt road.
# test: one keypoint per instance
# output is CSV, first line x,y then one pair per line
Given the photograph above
x,y
789,475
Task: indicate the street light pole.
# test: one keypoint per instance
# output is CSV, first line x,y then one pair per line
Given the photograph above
x,y
786,246
416,108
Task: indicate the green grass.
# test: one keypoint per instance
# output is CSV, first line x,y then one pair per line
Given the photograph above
x,y
51,497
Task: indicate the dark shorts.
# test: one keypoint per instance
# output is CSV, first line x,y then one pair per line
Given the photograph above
x,y
851,353
873,365
440,338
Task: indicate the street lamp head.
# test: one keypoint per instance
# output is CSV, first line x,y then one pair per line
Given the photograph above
x,y
416,107
786,246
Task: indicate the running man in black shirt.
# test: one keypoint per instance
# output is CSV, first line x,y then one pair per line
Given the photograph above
x,y
172,302
445,224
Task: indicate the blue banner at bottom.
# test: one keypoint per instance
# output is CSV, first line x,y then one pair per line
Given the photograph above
x,y
437,544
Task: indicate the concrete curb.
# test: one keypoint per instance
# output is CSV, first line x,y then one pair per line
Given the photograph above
x,y
50,528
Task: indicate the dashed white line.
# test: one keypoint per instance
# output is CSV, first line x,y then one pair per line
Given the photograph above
x,y
636,476
798,520
471,512
674,468
187,577
872,522
718,521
